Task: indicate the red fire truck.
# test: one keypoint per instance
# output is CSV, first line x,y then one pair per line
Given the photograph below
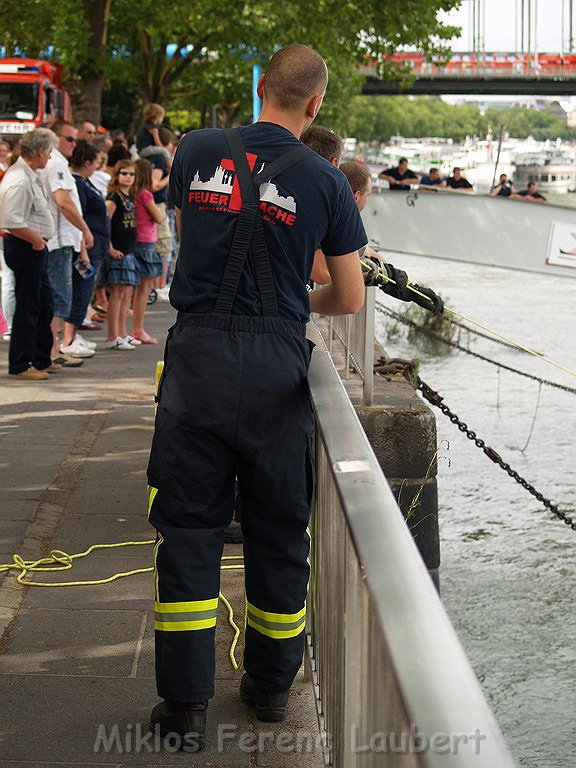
x,y
31,95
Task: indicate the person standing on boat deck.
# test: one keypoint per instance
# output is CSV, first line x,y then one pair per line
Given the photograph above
x,y
504,188
531,194
433,179
234,399
458,182
400,177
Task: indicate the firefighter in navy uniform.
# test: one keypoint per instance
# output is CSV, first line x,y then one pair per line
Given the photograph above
x,y
252,206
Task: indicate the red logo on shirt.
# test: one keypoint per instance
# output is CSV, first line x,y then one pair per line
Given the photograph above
x,y
221,193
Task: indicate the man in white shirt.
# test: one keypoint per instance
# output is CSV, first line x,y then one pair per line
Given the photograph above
x,y
28,224
72,234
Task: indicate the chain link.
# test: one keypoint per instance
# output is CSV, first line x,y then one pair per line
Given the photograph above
x,y
434,398
455,345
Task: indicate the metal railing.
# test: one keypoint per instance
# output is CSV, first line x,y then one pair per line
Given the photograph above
x,y
356,333
393,685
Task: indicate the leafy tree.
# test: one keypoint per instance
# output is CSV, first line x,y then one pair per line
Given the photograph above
x,y
201,50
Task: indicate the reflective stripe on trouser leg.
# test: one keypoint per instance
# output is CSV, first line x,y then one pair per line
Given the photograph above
x,y
183,617
187,568
278,626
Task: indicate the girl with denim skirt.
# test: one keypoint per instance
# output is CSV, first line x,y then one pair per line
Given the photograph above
x,y
149,260
121,267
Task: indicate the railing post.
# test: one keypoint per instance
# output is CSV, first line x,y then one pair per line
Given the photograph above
x,y
369,334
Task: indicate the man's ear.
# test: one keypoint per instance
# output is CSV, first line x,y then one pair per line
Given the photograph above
x,y
260,87
314,105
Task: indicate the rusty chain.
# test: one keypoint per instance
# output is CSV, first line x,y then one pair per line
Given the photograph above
x,y
434,398
438,337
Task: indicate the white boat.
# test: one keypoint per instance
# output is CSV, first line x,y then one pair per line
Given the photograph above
x,y
480,229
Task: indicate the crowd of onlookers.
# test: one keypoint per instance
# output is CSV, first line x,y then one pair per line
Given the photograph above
x,y
401,177
86,236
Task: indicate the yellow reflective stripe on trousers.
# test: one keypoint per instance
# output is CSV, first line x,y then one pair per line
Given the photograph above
x,y
183,617
278,626
151,496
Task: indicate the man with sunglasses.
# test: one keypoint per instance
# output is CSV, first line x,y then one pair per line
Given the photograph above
x,y
72,235
86,131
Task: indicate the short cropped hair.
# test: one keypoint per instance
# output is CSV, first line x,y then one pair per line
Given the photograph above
x,y
325,142
358,176
34,141
294,75
57,126
153,112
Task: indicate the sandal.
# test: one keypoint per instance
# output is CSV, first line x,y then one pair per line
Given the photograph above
x,y
144,337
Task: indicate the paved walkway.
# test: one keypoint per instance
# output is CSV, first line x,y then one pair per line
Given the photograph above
x,y
76,663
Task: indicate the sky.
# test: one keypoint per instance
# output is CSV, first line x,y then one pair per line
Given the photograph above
x,y
501,24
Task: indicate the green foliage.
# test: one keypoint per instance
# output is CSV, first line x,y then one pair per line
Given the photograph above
x,y
216,44
377,118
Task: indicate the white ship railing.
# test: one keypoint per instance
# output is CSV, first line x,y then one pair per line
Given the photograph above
x,y
394,688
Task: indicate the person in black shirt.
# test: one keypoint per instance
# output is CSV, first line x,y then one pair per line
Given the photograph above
x,y
400,177
84,161
457,181
121,268
504,188
530,194
252,205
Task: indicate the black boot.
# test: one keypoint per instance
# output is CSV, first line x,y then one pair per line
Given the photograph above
x,y
270,707
187,720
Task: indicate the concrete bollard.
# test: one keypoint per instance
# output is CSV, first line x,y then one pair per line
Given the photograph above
x,y
402,431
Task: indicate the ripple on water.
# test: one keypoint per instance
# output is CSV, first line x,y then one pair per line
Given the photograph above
x,y
508,565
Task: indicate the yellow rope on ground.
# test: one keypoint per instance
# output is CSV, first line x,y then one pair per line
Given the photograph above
x,y
58,560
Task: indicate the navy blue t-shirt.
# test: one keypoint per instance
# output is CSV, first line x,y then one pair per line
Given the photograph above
x,y
308,205
161,163
93,207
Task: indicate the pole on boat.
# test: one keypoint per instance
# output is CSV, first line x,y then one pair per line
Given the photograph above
x,y
498,155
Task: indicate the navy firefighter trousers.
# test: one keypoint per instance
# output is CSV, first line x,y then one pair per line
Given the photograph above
x,y
233,401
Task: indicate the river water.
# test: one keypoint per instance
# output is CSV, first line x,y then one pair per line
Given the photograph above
x,y
508,568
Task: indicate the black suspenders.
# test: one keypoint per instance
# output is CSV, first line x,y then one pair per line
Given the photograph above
x,y
249,231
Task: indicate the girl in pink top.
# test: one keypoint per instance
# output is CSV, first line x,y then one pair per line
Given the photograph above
x,y
149,260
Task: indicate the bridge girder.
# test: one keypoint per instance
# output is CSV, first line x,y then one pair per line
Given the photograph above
x,y
472,86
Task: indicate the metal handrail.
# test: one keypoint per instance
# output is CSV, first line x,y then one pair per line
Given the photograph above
x,y
356,334
393,685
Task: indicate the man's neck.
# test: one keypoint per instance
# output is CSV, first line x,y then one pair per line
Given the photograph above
x,y
293,123
32,162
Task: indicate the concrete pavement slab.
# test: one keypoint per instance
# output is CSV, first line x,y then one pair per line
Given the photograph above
x,y
73,455
56,642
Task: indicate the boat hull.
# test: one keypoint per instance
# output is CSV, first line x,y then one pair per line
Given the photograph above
x,y
500,232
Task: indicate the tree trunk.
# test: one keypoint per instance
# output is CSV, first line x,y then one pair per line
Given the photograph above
x,y
86,85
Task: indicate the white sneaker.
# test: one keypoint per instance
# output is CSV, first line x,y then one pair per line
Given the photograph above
x,y
85,342
131,340
76,349
120,344
163,294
